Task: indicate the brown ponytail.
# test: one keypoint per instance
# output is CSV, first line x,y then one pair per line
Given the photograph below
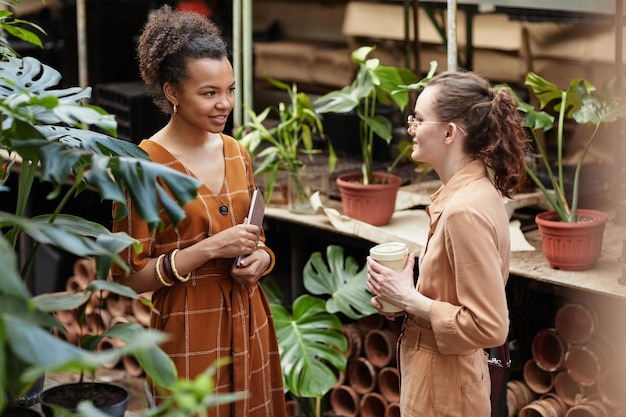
x,y
490,117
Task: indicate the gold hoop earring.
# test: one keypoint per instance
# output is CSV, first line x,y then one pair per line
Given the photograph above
x,y
175,108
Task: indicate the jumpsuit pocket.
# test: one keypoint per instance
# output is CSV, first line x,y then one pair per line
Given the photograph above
x,y
475,395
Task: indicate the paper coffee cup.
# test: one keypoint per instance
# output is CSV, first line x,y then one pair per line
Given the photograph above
x,y
393,255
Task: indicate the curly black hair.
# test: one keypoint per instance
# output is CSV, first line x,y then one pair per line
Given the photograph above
x,y
168,41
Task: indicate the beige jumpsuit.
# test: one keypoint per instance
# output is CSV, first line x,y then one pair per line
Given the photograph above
x,y
463,268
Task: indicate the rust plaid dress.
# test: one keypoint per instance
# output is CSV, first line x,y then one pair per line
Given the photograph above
x,y
210,317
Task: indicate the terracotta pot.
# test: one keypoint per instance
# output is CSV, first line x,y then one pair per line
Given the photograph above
x,y
576,322
98,321
141,312
548,350
355,340
118,306
393,410
547,407
107,343
593,407
557,402
344,400
537,379
567,388
373,405
585,363
132,366
69,395
372,203
511,403
292,408
389,383
523,395
380,347
572,246
361,375
72,330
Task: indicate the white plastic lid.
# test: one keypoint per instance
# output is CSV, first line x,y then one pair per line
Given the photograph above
x,y
389,251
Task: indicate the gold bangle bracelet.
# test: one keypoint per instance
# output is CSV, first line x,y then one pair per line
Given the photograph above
x,y
272,259
176,274
157,270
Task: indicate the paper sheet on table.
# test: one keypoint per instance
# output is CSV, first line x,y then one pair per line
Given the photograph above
x,y
410,226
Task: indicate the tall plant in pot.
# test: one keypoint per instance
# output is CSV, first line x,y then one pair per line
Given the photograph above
x,y
288,142
373,85
586,105
44,138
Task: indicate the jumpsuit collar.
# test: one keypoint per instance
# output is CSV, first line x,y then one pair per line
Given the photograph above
x,y
469,173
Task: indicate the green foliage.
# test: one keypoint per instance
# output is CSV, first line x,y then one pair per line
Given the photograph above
x,y
342,279
584,104
291,137
311,344
19,28
311,338
193,397
373,84
45,133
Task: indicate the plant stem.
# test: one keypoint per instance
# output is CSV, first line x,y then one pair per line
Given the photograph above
x,y
318,407
574,213
561,185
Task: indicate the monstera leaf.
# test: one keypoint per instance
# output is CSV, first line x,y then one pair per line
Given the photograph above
x,y
311,337
27,95
45,127
340,278
311,342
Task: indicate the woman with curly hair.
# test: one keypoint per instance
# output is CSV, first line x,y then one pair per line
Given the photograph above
x,y
211,308
473,137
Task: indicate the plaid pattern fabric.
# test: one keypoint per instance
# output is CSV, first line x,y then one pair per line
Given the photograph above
x,y
211,317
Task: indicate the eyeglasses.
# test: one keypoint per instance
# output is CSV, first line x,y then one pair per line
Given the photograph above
x,y
413,121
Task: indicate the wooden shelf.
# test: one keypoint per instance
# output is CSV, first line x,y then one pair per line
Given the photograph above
x,y
602,280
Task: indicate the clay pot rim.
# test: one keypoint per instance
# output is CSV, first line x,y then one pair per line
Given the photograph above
x,y
549,218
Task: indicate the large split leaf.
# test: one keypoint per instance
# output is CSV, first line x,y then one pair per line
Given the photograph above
x,y
340,278
311,342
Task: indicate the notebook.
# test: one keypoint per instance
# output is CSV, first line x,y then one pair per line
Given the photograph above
x,y
255,213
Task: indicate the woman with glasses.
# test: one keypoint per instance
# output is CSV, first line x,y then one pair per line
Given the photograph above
x,y
473,137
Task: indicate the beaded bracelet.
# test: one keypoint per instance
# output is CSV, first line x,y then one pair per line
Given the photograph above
x,y
173,264
272,259
157,270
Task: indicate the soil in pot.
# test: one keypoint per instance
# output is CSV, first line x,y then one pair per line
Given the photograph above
x,y
110,399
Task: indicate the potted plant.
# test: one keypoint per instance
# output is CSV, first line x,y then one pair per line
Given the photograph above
x,y
25,318
44,137
288,141
311,336
584,104
373,85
